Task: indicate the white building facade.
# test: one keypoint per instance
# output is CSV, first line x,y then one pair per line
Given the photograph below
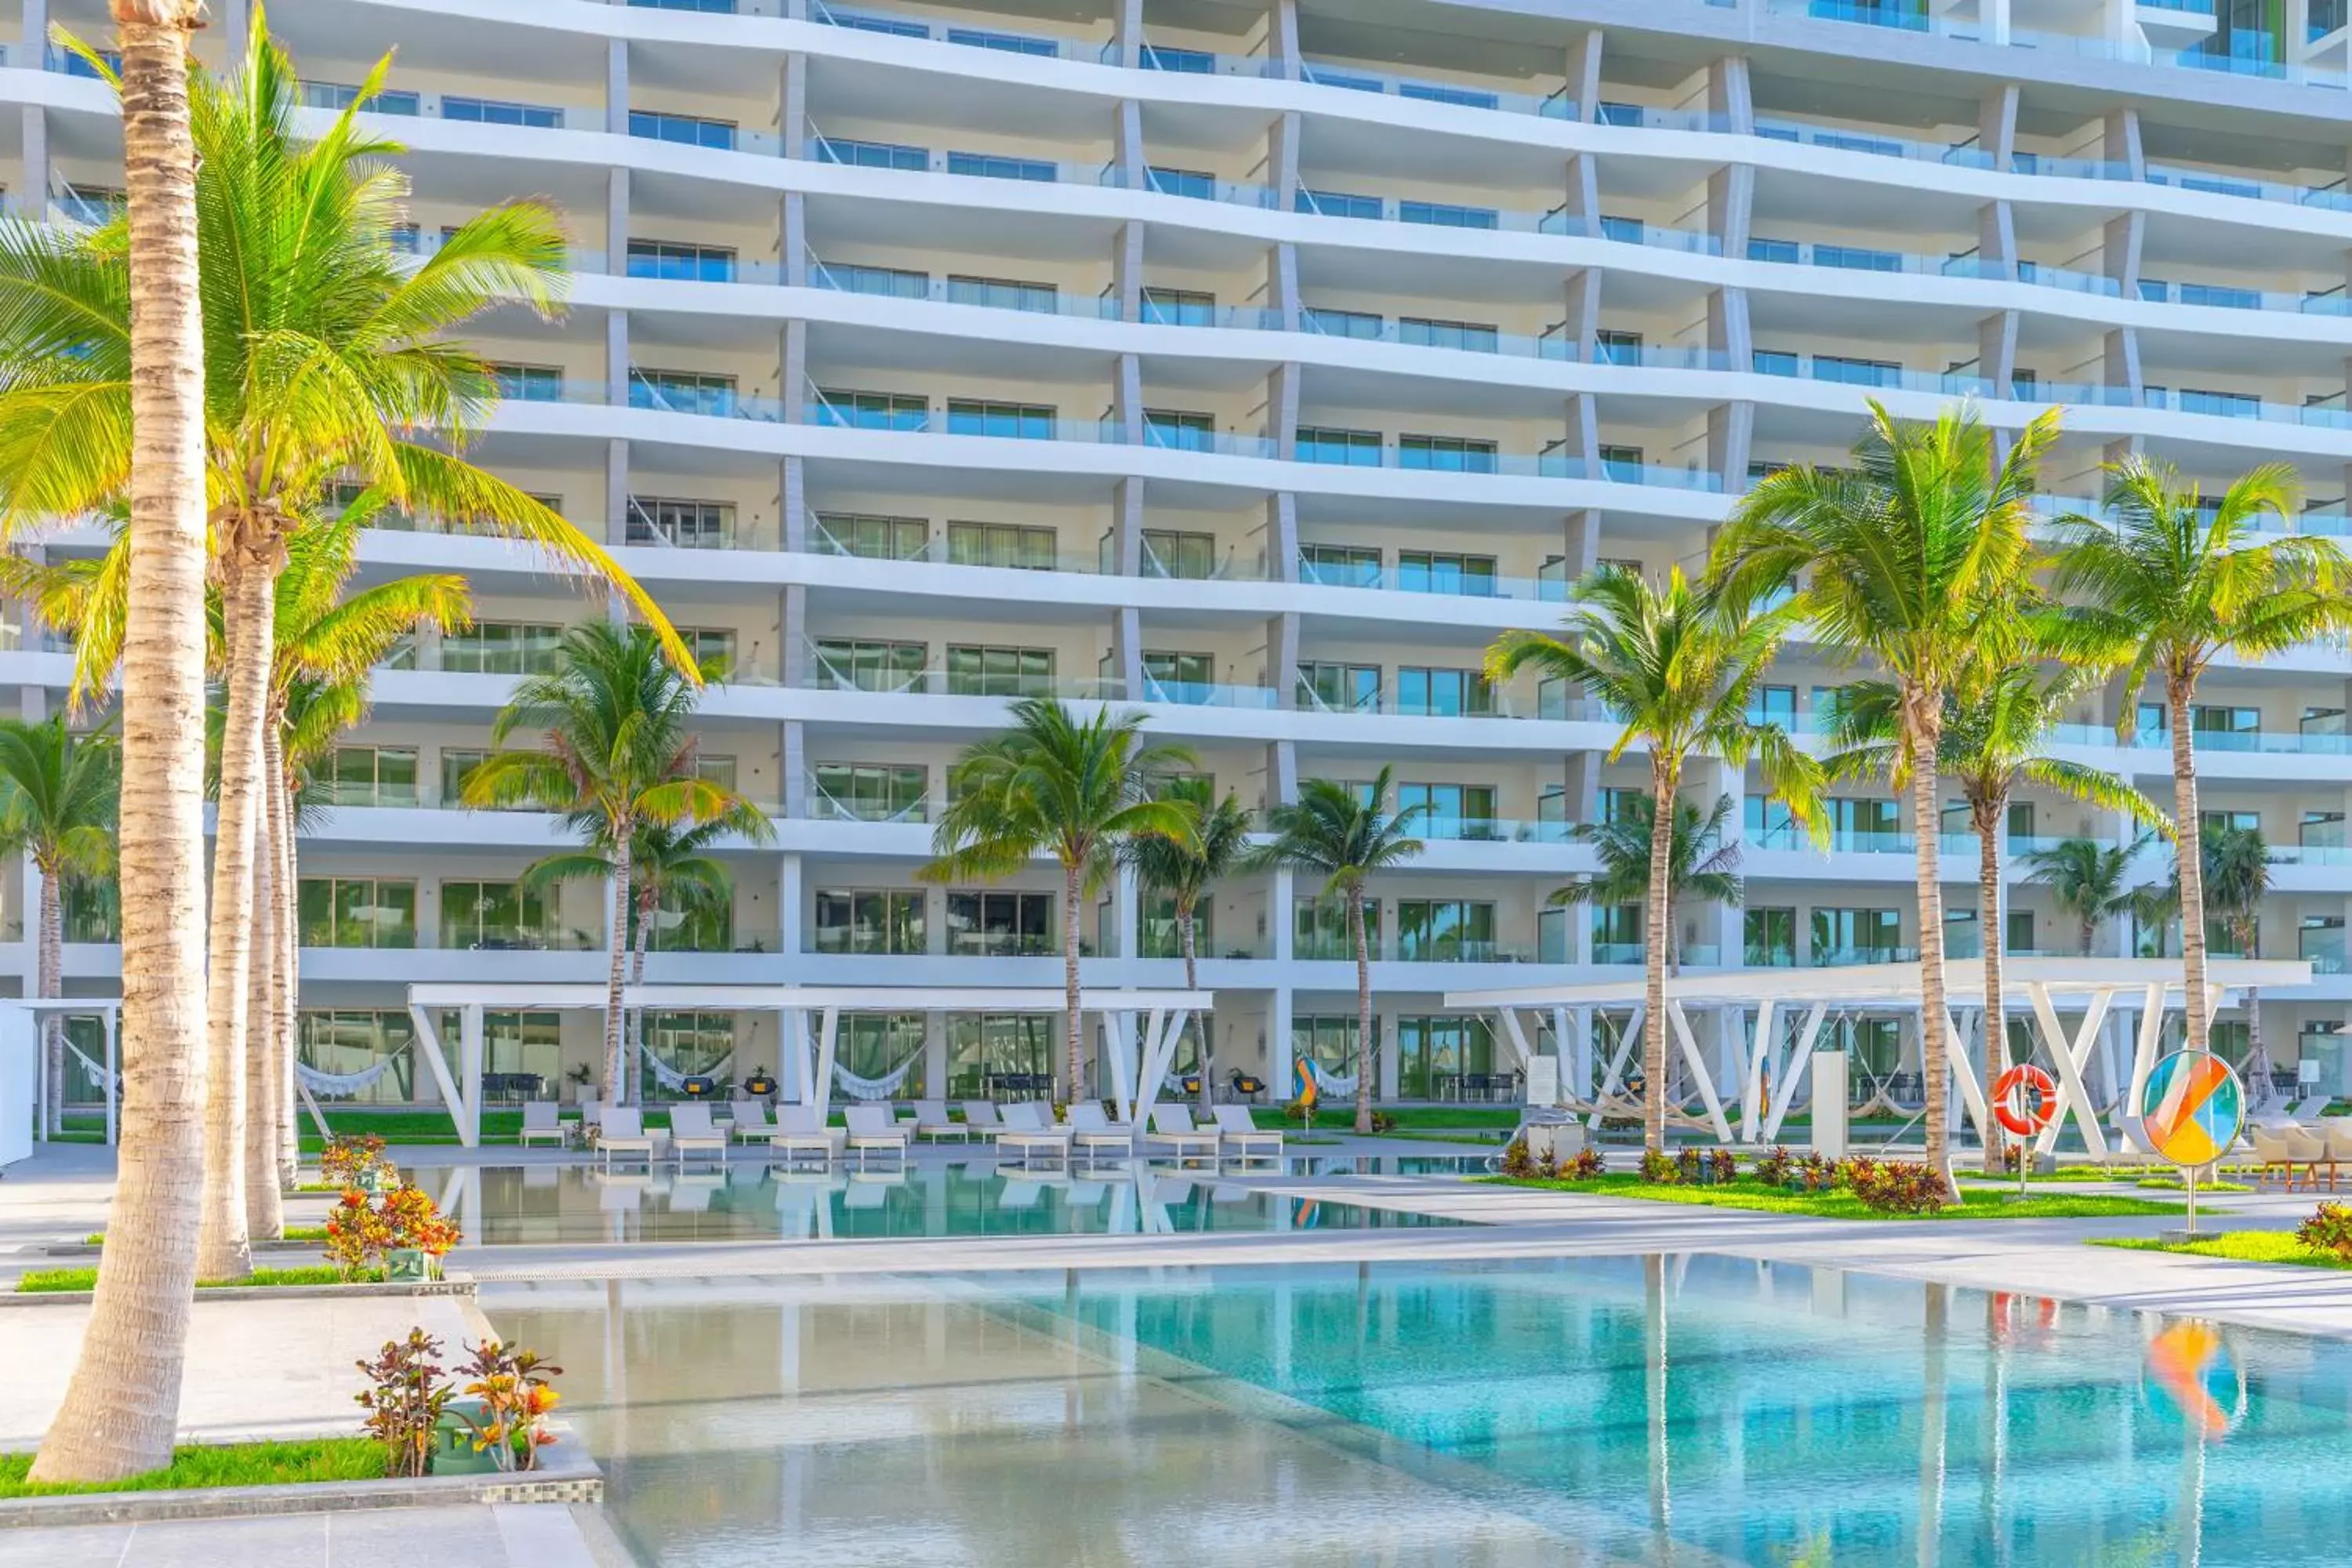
x,y
1255,365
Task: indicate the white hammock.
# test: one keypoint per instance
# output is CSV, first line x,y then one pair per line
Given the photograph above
x,y
881,1088
97,1074
340,1085
1328,1082
670,1079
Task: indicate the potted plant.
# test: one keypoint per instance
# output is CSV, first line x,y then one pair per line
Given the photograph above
x,y
406,1401
505,1407
417,1236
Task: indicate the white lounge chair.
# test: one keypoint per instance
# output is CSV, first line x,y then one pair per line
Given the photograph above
x,y
691,1130
801,1129
1091,1129
872,1127
1029,1131
981,1119
931,1122
541,1124
748,1122
2307,1147
621,1131
1243,1139
1172,1129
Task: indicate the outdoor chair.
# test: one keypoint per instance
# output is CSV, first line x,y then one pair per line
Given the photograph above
x,y
541,1124
2270,1150
621,1131
801,1129
872,1127
1172,1129
1242,1139
748,1121
2337,1137
931,1122
1092,1129
981,1119
2308,1149
691,1130
1029,1131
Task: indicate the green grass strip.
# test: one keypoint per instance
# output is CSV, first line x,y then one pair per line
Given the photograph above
x,y
1761,1199
292,1233
2238,1246
48,1281
220,1464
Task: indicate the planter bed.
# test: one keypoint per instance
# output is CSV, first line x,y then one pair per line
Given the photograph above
x,y
460,1285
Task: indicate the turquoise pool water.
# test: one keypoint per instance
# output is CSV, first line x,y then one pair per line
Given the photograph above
x,y
505,1206
1692,1410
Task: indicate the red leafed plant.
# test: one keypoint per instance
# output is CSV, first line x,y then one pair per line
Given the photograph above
x,y
347,1158
516,1396
412,1218
360,1229
1896,1186
2328,1230
404,1399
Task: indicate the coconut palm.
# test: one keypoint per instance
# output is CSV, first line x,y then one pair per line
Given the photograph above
x,y
616,758
1184,872
1676,666
1346,835
57,805
1070,788
2237,879
1993,734
2169,582
2085,879
1913,558
121,1411
1702,862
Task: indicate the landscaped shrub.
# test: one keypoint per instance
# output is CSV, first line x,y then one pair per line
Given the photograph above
x,y
1687,1165
1815,1174
361,1228
1584,1166
1517,1161
1775,1168
404,1398
349,1159
1896,1186
512,1385
1721,1166
412,1218
1340,1115
2328,1230
1658,1167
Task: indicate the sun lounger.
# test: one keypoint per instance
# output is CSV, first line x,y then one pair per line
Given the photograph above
x,y
981,1119
541,1124
622,1131
1092,1129
1172,1129
872,1128
691,1132
801,1129
749,1122
931,1122
1242,1138
1029,1131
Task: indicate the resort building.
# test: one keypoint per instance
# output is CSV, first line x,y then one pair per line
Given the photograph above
x,y
1255,365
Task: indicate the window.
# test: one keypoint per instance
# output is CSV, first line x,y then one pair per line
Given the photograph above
x,y
457,767
678,261
1773,362
1319,929
889,282
494,915
869,921
1622,463
1862,823
1857,372
682,392
1192,62
1351,448
1767,824
1445,931
1612,345
1857,936
347,1041
1026,421
491,112
1195,183
1340,688
1185,431
2319,942
705,928
1339,565
1158,935
1180,308
2321,830
1624,231
1178,677
528,383
1448,454
1435,92
1344,324
975,671
985,1048
1772,705
372,776
880,1045
2017,931
872,792
1857,257
688,130
857,664
2230,821
1011,43
1002,544
1445,214
1000,925
2211,723
356,911
501,648
1455,811
996,166
1338,204
2019,827
1474,336
1172,552
2228,405
691,1043
1327,1040
713,648
343,95
688,524
1433,1053
871,154
872,410
1618,934
1004,294
90,909
1783,250
1617,803
869,536
1432,571
1769,938
1443,693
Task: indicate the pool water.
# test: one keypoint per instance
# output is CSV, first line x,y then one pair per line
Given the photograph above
x,y
1691,1410
506,1205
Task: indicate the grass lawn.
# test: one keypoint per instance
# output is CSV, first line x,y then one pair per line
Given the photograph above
x,y
2146,1175
1444,1135
43,1281
2243,1246
224,1465
1756,1195
293,1233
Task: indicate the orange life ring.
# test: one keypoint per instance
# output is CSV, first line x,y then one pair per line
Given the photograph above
x,y
2024,1100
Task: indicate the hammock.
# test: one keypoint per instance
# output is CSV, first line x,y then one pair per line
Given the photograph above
x,y
340,1085
97,1074
881,1088
1331,1083
670,1079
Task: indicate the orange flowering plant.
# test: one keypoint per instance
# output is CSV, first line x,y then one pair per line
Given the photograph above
x,y
359,1229
516,1396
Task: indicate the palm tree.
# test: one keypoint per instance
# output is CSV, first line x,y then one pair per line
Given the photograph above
x,y
2237,879
1675,665
616,759
1914,558
121,1412
1185,872
1992,740
57,805
1055,784
2085,880
1702,862
2171,583
1345,837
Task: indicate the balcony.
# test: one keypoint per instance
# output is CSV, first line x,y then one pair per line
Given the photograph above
x,y
2174,24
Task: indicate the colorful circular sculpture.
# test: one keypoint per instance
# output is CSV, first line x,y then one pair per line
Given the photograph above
x,y
2189,1376
2193,1108
2025,1099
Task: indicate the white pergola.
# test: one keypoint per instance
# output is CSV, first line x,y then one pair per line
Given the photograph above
x,y
1760,1057
21,1022
1140,1029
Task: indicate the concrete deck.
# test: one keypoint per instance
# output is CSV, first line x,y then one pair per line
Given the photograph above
x,y
502,1535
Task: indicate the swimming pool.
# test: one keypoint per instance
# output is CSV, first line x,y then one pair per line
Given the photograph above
x,y
506,1205
1697,1410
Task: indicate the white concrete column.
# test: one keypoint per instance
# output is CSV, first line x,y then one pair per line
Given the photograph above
x,y
791,904
1126,909
616,223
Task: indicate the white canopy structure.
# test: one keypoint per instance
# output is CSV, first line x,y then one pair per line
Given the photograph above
x,y
23,1066
1140,1028
1761,1057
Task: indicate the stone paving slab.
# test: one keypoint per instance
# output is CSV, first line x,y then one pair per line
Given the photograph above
x,y
499,1535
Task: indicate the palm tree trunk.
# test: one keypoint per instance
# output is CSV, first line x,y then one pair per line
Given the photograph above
x,y
1995,1049
264,1208
2193,1002
120,1410
631,1025
1072,892
224,1249
1934,1018
285,975
49,971
1185,925
1368,1066
617,943
1658,936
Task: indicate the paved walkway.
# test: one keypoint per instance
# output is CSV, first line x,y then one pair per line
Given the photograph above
x,y
504,1535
